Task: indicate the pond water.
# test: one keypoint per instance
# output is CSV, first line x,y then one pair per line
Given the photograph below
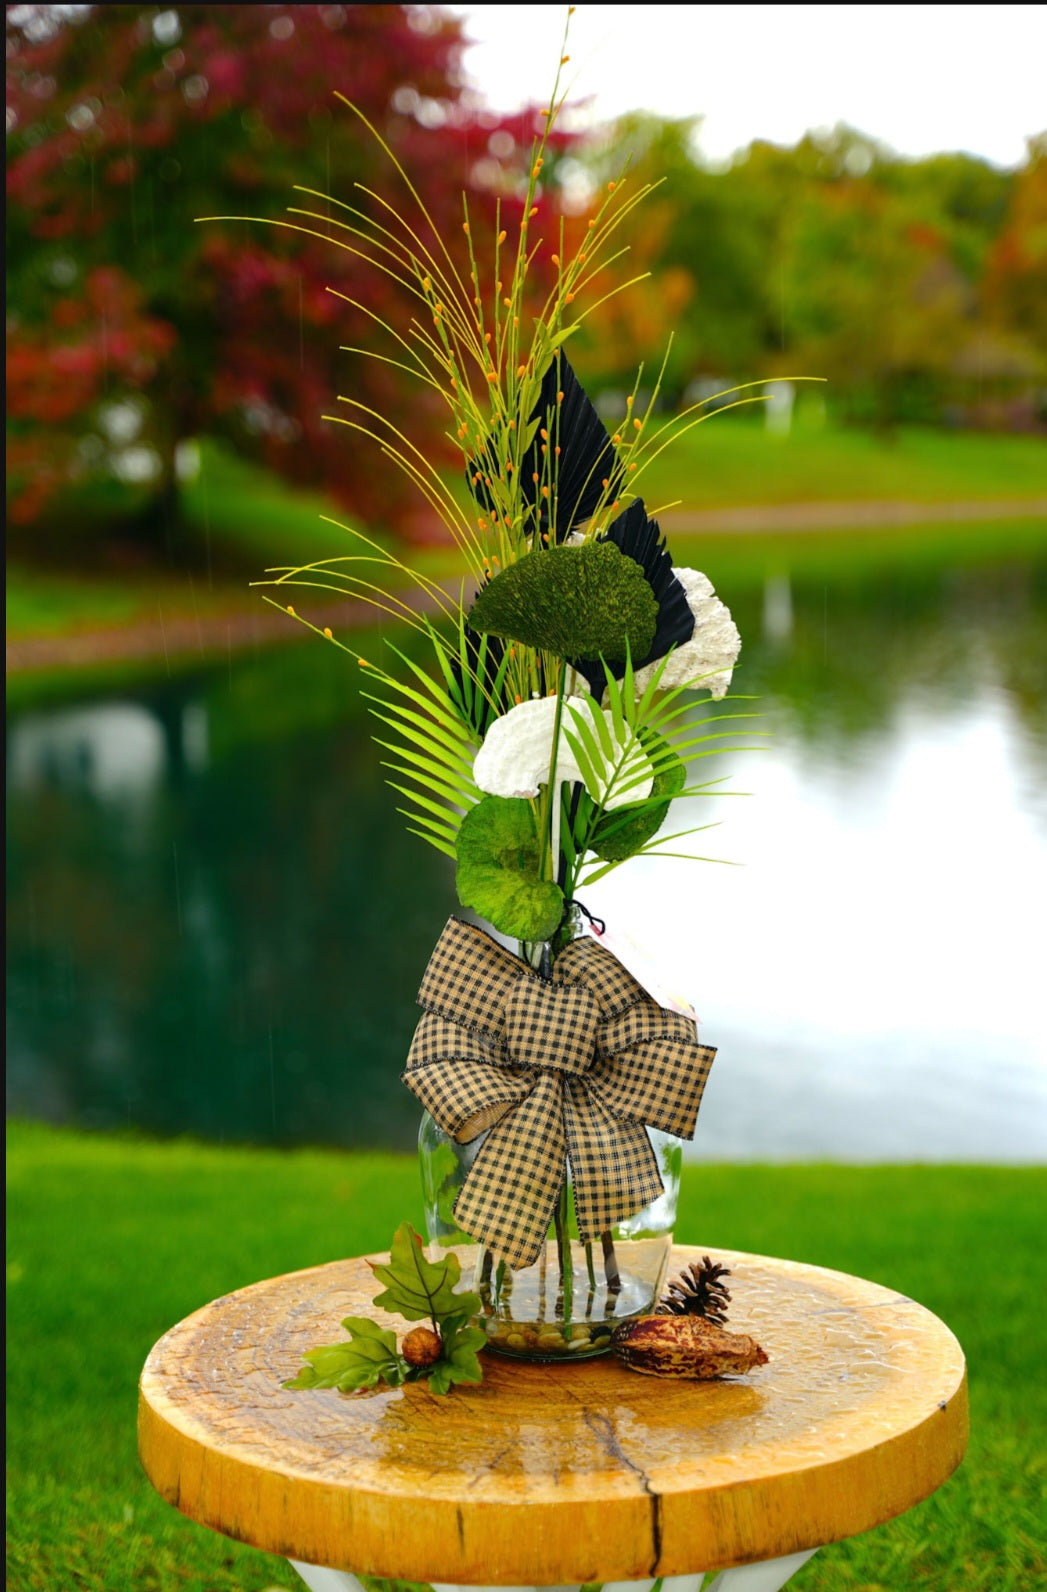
x,y
217,924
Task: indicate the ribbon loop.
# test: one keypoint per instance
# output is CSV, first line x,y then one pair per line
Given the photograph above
x,y
551,1025
572,1069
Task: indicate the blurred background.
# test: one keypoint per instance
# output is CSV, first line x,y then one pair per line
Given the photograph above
x,y
216,923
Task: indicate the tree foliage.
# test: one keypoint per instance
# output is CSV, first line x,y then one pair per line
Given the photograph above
x,y
131,327
1016,278
899,280
916,286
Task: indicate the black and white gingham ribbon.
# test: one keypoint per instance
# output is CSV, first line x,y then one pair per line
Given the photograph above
x,y
567,1069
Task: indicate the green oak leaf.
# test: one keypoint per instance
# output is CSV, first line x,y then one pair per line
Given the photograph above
x,y
459,1361
449,1325
369,1357
577,602
416,1288
462,1346
439,1378
621,833
497,873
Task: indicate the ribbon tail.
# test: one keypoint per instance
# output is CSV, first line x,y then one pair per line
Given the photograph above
x,y
510,1194
613,1165
659,1081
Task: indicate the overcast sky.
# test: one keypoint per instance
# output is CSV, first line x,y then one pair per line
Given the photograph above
x,y
920,78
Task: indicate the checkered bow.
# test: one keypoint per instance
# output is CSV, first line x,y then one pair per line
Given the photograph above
x,y
570,1068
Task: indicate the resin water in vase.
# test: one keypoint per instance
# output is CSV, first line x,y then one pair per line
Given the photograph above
x,y
566,1305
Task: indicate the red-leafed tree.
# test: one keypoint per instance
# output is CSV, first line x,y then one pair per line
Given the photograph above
x,y
125,124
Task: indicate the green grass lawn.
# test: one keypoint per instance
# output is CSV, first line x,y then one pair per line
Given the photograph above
x,y
238,519
44,601
112,1240
727,460
720,463
242,517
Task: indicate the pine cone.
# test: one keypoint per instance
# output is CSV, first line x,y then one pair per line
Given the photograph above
x,y
698,1291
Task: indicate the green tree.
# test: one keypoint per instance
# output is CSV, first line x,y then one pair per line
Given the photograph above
x,y
834,258
707,240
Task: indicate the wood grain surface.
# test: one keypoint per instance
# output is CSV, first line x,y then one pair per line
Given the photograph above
x,y
546,1474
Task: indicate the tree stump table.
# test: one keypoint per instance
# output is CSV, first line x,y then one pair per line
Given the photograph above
x,y
546,1475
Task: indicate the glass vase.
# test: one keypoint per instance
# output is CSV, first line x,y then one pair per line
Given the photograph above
x,y
566,1305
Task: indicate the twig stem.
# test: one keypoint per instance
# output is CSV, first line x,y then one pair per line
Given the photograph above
x,y
610,1264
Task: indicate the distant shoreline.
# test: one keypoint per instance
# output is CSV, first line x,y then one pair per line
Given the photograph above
x,y
873,514
215,635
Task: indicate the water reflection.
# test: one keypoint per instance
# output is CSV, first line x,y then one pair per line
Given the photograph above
x,y
217,923
226,945
112,749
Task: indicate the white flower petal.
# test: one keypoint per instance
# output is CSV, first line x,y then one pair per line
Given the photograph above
x,y
514,758
707,659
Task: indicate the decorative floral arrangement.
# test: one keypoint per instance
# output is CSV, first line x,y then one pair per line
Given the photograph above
x,y
541,748
557,724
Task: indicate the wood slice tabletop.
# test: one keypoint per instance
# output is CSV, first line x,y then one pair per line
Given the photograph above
x,y
546,1474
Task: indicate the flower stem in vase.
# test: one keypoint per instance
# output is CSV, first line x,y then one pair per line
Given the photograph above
x,y
576,602
610,1264
551,803
484,1280
572,815
563,1248
558,1223
542,1262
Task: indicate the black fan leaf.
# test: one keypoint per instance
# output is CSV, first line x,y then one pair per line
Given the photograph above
x,y
640,538
587,470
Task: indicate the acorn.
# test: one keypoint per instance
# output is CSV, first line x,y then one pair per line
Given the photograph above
x,y
684,1346
422,1347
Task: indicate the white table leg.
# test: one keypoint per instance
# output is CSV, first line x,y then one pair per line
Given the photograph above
x,y
669,1583
767,1576
449,1586
320,1579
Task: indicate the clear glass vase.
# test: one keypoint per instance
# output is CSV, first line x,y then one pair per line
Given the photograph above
x,y
566,1305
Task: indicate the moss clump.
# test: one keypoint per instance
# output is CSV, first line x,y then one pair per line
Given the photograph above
x,y
577,602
